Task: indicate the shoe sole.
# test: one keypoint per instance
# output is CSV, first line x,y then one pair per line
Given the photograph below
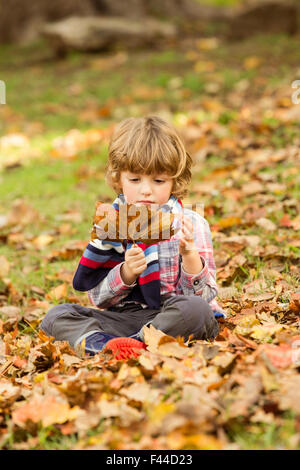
x,y
124,348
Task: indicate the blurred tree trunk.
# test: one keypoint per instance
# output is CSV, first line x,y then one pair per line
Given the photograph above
x,y
20,20
269,16
158,8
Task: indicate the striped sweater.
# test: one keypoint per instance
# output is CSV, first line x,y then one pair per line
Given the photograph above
x,y
106,288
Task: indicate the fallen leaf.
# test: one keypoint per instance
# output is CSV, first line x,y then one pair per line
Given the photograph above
x,y
4,266
266,224
252,62
295,302
245,326
152,336
22,213
71,250
47,409
57,293
173,349
10,311
280,356
229,222
224,361
269,381
141,392
177,441
42,240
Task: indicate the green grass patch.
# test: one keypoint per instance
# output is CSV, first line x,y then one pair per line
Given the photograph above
x,y
264,436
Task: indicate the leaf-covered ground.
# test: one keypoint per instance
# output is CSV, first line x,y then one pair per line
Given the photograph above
x,y
232,104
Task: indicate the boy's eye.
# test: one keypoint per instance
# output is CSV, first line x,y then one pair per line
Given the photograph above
x,y
137,179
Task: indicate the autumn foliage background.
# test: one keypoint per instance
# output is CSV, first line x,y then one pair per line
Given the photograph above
x,y
231,102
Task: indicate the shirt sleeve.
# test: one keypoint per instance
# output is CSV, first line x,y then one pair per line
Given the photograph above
x,y
111,290
104,286
203,283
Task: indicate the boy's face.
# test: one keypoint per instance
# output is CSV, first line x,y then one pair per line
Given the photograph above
x,y
145,189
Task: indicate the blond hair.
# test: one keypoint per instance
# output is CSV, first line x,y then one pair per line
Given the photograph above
x,y
148,145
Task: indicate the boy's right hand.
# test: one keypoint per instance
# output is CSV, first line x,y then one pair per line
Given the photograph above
x,y
135,264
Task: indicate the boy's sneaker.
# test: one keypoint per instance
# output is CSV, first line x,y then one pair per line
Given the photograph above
x,y
124,348
95,342
121,347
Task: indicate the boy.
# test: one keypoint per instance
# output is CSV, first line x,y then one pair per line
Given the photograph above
x,y
171,283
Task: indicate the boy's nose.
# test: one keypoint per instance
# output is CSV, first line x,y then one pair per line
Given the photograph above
x,y
146,190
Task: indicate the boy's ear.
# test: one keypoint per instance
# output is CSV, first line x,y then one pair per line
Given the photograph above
x,y
118,189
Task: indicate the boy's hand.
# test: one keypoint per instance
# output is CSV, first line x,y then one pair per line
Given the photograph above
x,y
135,264
187,244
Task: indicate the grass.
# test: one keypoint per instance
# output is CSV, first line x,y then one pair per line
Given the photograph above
x,y
43,81
51,187
266,436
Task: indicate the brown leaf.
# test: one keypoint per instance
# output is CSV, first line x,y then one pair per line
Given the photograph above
x,y
9,311
49,410
42,240
71,250
295,302
22,213
70,360
152,337
58,292
148,360
173,349
224,361
288,396
142,223
245,396
8,393
142,392
266,224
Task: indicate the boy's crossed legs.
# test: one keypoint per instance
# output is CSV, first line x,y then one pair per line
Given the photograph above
x,y
179,315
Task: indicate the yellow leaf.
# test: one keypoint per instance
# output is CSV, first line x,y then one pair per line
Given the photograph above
x,y
152,337
224,361
245,325
252,62
4,266
40,377
173,349
229,222
60,413
207,44
178,441
268,380
204,66
57,293
42,240
160,411
263,332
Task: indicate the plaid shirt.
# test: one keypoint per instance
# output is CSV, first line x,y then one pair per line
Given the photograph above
x,y
173,279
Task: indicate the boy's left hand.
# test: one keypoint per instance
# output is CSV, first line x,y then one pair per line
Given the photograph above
x,y
186,244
